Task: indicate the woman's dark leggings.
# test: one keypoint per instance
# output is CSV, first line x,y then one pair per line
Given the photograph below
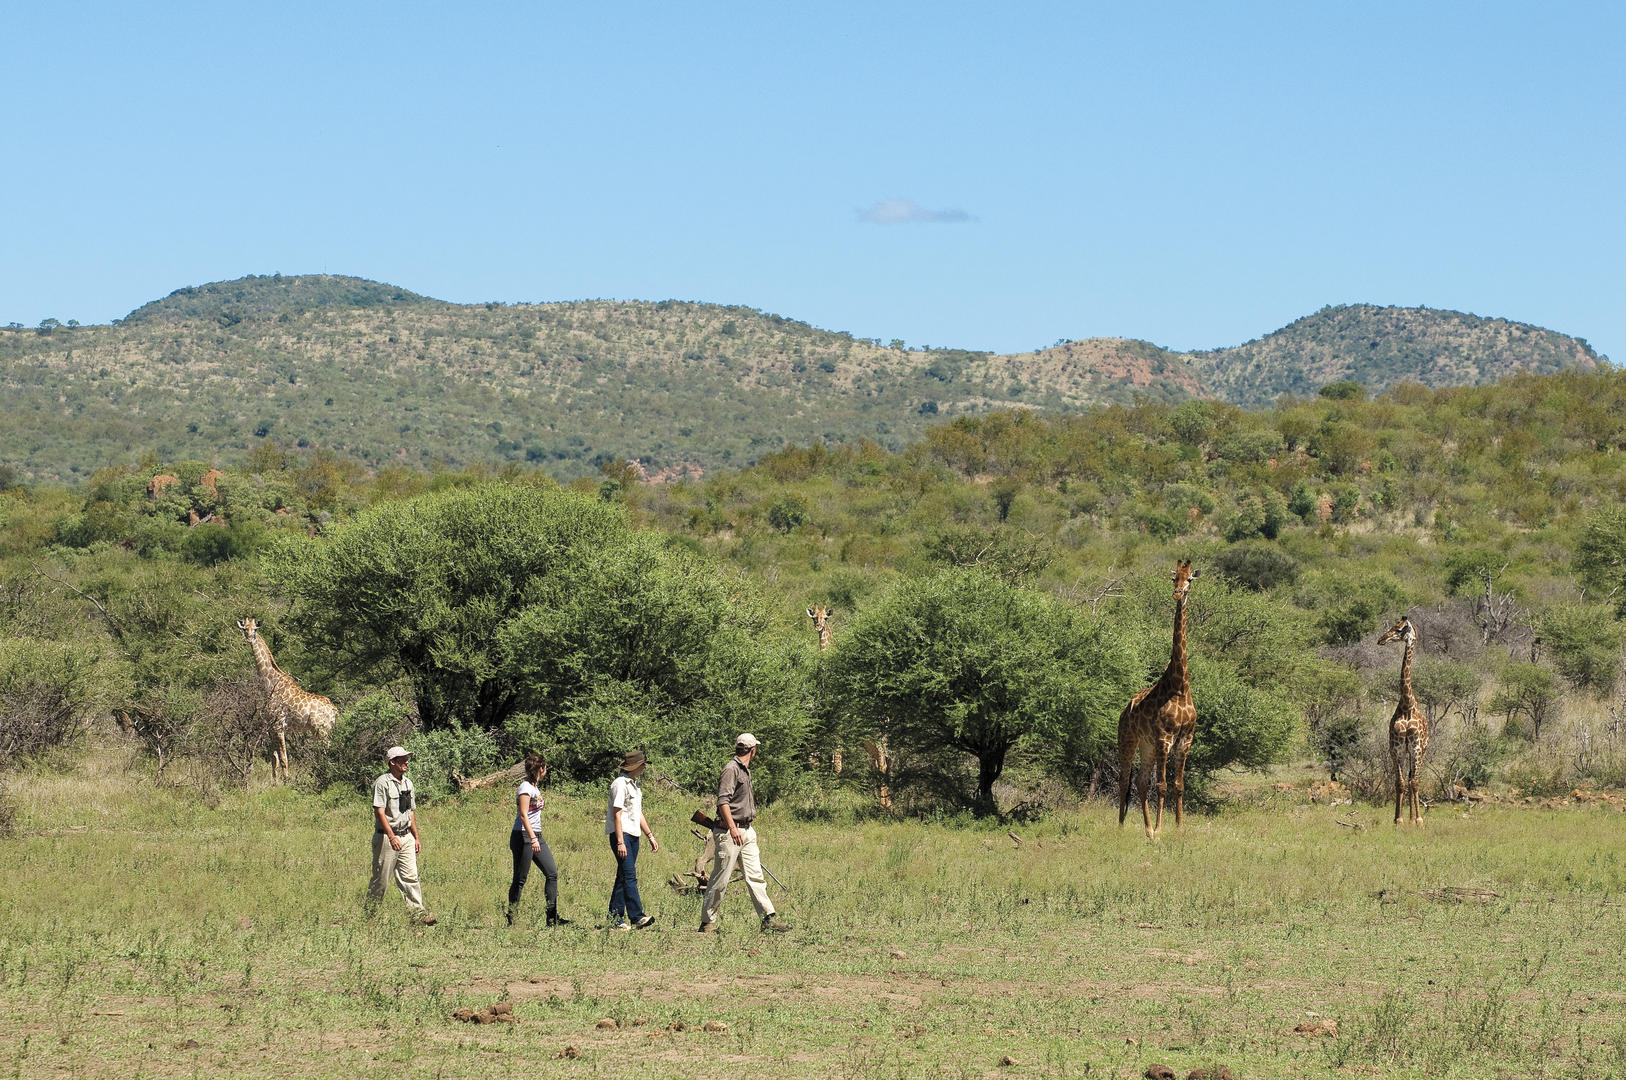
x,y
520,845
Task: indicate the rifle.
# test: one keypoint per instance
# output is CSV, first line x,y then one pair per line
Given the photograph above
x,y
705,821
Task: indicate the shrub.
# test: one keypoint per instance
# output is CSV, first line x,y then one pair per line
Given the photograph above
x,y
49,693
1257,565
354,755
441,755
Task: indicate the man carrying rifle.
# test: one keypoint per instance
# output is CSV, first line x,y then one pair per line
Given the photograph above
x,y
737,841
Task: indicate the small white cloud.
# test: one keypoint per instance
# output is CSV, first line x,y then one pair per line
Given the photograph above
x,y
909,212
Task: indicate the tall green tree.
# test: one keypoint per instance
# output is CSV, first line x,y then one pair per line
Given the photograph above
x,y
542,613
966,663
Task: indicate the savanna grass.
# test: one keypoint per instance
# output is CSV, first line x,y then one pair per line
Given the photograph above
x,y
133,920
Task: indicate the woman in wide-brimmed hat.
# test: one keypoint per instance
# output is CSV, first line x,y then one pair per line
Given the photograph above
x,y
623,821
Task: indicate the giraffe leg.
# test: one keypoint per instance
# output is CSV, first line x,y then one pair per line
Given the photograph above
x,y
282,741
1144,782
1126,762
1160,766
1182,747
1400,780
1416,770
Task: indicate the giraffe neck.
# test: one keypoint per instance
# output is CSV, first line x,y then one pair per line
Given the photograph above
x,y
824,638
271,676
1407,699
1175,676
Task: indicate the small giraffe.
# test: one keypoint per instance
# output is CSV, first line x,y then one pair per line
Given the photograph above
x,y
1408,728
1160,721
291,706
821,622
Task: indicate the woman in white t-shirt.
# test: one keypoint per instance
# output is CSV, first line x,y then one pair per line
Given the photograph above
x,y
526,842
623,821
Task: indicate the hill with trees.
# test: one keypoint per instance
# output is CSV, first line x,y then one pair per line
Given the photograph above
x,y
1380,347
379,374
480,610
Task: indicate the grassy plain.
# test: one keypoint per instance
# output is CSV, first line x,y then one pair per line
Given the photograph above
x,y
142,934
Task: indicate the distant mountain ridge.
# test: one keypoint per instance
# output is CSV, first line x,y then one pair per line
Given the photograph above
x,y
384,374
1381,346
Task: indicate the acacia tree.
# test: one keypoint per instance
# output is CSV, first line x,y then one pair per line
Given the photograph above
x,y
541,612
966,663
425,586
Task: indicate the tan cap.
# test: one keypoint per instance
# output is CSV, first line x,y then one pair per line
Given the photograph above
x,y
396,751
747,740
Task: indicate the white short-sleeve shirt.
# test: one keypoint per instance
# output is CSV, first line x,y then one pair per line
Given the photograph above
x,y
626,798
528,788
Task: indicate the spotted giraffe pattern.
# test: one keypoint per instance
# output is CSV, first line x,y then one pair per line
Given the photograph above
x,y
821,623
1408,729
1160,722
292,707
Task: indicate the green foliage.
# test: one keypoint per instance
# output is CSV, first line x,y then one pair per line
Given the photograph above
x,y
49,693
1586,643
354,755
1239,723
1528,697
424,587
1257,565
541,613
641,643
965,663
441,755
1600,553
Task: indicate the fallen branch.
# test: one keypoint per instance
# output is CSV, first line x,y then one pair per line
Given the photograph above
x,y
508,775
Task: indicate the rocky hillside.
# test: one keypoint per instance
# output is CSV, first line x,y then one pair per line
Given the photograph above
x,y
382,374
1381,346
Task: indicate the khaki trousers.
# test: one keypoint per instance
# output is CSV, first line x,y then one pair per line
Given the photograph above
x,y
401,865
722,868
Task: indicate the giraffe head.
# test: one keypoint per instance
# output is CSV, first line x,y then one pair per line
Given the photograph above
x,y
820,616
248,626
1182,577
1403,630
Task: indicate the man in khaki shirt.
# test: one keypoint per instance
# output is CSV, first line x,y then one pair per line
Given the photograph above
x,y
395,837
737,840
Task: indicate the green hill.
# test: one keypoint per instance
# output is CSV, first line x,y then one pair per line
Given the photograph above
x,y
382,374
1381,346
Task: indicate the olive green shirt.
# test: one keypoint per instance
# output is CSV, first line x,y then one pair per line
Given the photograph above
x,y
734,791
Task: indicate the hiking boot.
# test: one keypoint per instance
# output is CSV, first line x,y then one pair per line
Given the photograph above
x,y
556,919
771,924
644,923
622,925
427,919
708,928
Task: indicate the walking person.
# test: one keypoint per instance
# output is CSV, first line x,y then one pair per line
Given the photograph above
x,y
623,821
737,841
396,843
526,843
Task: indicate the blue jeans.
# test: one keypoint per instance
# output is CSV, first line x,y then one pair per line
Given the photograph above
x,y
624,901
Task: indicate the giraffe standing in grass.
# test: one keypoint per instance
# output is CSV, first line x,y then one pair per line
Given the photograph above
x,y
1160,721
292,707
1408,728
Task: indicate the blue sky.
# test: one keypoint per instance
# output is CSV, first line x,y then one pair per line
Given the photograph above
x,y
960,174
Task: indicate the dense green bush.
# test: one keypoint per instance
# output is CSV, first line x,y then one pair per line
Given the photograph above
x,y
966,663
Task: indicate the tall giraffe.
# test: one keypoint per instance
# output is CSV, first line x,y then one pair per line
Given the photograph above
x,y
1159,721
821,623
1408,728
291,706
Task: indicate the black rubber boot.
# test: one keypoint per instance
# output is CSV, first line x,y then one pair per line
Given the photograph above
x,y
556,919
